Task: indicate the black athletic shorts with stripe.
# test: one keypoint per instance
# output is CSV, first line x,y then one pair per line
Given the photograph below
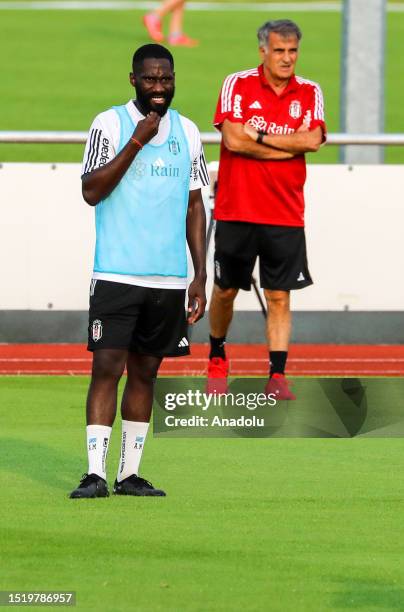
x,y
281,251
139,319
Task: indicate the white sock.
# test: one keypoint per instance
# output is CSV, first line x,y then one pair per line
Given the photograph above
x,y
133,437
97,448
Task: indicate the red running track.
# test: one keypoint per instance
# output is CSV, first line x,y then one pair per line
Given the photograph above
x,y
245,359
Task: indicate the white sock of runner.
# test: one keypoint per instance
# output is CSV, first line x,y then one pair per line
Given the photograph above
x,y
97,448
133,436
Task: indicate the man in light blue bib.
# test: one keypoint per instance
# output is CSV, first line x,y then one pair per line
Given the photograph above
x,y
143,170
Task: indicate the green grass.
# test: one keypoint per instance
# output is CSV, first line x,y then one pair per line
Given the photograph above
x,y
237,1
305,525
65,67
242,1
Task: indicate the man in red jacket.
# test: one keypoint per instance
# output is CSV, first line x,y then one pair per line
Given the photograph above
x,y
269,118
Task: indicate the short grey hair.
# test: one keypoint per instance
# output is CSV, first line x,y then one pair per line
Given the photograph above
x,y
283,27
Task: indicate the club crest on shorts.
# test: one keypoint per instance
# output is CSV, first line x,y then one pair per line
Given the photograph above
x,y
295,109
96,330
217,269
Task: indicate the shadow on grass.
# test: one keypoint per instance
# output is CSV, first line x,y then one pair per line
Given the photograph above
x,y
366,595
348,399
40,463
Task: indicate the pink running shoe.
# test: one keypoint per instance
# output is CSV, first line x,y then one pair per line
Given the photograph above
x,y
278,386
182,40
153,26
218,370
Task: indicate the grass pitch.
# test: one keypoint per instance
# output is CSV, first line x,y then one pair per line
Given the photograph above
x,y
64,67
274,525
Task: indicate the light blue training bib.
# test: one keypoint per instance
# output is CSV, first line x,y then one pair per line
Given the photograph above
x,y
141,225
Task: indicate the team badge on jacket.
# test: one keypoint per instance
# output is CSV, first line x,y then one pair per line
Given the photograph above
x,y
96,330
295,109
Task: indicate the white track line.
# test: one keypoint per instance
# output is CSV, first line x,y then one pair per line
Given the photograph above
x,y
304,360
43,359
170,360
327,373
44,372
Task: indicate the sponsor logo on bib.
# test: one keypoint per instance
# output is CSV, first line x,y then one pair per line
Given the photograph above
x,y
137,169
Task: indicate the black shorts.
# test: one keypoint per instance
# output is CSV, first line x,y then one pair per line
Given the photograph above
x,y
281,250
139,319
